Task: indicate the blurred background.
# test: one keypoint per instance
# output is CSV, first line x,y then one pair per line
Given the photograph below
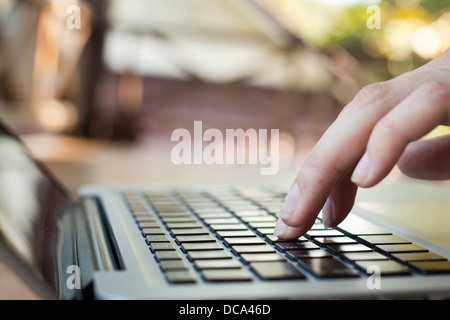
x,y
96,87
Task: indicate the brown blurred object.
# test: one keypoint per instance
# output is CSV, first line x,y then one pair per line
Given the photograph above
x,y
58,49
129,96
41,50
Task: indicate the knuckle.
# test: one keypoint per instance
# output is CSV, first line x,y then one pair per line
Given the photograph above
x,y
436,89
371,93
438,94
386,128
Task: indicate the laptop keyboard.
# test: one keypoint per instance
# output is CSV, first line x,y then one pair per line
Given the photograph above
x,y
227,236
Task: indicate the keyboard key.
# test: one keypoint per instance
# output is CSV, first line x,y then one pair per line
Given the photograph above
x,y
241,206
193,231
325,233
209,254
178,219
201,246
148,224
259,219
276,270
274,239
161,246
183,225
265,231
431,267
327,268
334,240
262,248
222,221
156,238
240,233
173,265
204,205
195,238
169,208
386,267
226,275
259,225
167,255
228,227
218,264
307,254
153,231
418,256
250,213
261,257
171,211
182,214
216,215
399,248
337,248
286,246
361,256
243,240
384,239
165,201
180,276
146,218
139,209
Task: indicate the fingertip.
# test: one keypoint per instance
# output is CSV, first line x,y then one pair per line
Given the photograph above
x,y
296,211
285,232
280,228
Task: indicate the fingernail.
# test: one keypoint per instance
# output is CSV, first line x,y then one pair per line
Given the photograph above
x,y
280,228
290,202
362,169
327,214
284,215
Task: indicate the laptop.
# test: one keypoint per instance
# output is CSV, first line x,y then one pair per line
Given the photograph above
x,y
214,242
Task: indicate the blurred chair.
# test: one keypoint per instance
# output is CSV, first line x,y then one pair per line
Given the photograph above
x,y
41,50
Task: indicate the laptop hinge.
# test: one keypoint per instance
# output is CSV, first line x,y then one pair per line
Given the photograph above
x,y
104,243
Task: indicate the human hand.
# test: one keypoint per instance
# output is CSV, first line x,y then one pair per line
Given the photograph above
x,y
378,129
